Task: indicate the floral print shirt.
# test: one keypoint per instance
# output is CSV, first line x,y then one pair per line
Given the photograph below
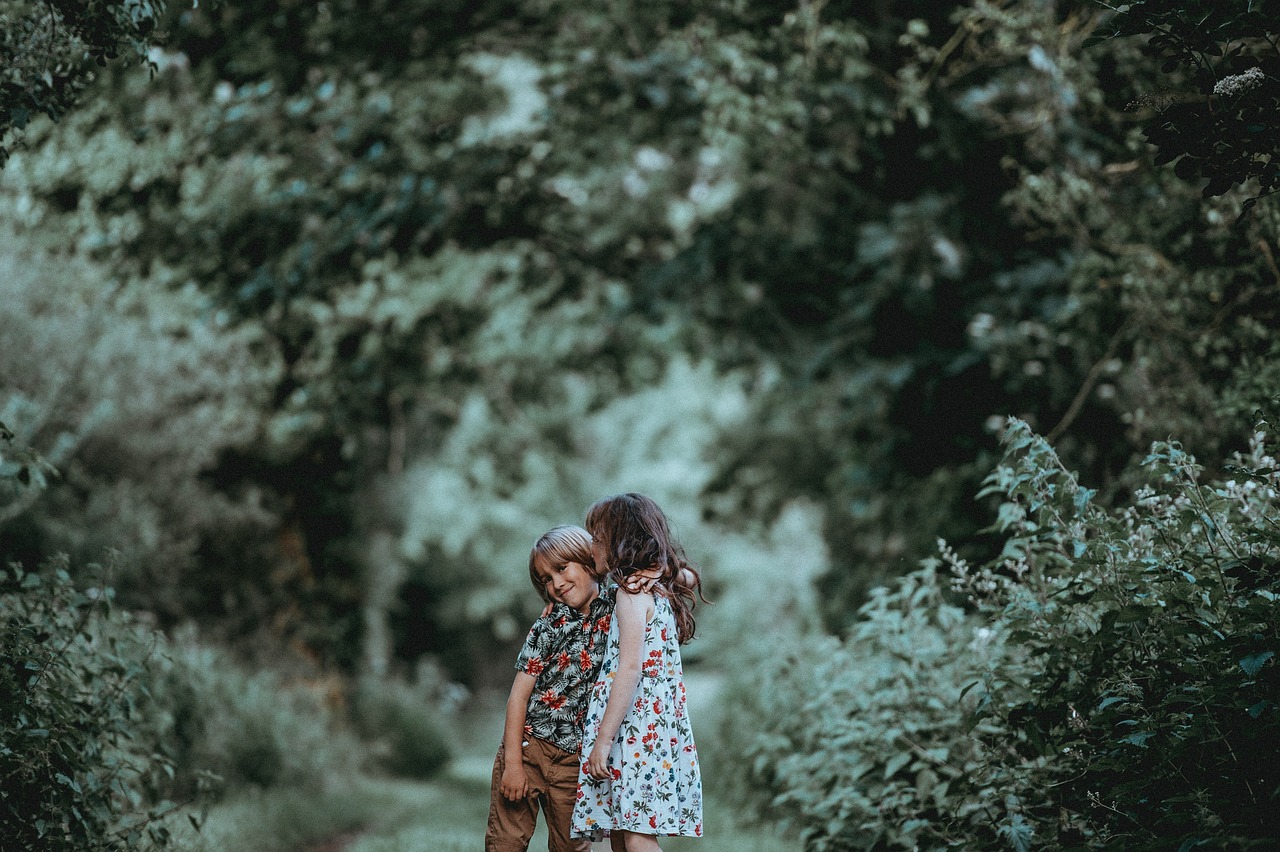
x,y
563,652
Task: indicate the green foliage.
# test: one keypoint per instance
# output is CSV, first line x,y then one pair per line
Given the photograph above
x,y
891,221
406,723
1118,690
1092,300
133,396
435,287
1224,130
78,770
1144,639
23,472
863,744
246,727
50,51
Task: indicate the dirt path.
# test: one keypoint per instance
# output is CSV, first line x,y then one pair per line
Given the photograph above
x,y
336,844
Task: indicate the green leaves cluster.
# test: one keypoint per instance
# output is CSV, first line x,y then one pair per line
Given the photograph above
x,y
1147,634
1114,686
50,53
1218,116
78,769
131,398
861,744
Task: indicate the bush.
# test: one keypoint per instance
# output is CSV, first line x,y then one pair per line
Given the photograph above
x,y
76,769
405,723
859,744
1114,686
1144,675
251,729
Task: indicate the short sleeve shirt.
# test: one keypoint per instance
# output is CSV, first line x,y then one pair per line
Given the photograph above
x,y
563,653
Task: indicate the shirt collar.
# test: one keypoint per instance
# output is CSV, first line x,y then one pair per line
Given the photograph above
x,y
602,605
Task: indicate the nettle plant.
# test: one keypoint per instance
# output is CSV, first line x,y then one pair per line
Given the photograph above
x,y
1140,674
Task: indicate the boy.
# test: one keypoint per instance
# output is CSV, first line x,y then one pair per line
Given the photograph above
x,y
554,674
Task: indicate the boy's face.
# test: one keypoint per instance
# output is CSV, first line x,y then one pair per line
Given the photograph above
x,y
571,584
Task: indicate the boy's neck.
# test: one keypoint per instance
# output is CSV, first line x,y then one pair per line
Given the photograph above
x,y
586,606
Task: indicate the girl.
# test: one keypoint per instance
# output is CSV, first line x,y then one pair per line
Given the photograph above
x,y
640,776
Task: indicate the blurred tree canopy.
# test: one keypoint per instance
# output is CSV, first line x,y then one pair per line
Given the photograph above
x,y
889,225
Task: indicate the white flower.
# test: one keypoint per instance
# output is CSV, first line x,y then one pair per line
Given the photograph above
x,y
1237,83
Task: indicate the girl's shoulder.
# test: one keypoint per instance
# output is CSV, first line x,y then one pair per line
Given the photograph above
x,y
632,603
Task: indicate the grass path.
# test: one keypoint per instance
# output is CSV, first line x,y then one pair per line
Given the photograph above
x,y
446,814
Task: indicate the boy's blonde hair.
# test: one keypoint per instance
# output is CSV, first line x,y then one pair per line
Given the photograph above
x,y
559,546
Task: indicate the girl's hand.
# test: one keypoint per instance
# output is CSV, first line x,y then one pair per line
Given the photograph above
x,y
546,610
642,581
598,763
515,783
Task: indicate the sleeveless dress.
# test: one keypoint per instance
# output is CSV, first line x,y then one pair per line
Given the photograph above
x,y
657,784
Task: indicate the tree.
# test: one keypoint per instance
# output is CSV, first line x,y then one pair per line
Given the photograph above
x,y
898,224
50,52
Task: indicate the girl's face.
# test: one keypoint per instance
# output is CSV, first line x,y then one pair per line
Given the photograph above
x,y
571,584
598,554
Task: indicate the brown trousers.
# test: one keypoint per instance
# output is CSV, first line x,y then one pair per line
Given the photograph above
x,y
553,786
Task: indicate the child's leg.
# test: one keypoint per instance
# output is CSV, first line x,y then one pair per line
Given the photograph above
x,y
558,780
635,842
511,824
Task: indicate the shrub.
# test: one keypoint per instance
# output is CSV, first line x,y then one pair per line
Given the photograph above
x,y
1114,685
405,723
1145,636
250,728
860,744
76,771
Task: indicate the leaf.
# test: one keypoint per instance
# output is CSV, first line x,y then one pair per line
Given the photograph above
x,y
895,763
1132,613
1018,831
1138,738
1253,663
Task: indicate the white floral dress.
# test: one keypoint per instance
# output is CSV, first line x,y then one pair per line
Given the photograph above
x,y
657,784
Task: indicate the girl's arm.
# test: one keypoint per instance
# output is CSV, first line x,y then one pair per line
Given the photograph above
x,y
633,612
515,783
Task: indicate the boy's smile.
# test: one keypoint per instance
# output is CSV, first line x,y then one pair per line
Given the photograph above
x,y
572,585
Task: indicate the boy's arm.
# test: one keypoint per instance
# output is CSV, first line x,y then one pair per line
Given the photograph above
x,y
515,784
631,612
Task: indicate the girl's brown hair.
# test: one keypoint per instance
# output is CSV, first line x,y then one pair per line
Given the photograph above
x,y
558,546
635,535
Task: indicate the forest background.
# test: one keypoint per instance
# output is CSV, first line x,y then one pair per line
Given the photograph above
x,y
316,315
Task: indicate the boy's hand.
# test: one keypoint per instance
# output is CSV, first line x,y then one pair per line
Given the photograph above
x,y
546,610
515,784
598,763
